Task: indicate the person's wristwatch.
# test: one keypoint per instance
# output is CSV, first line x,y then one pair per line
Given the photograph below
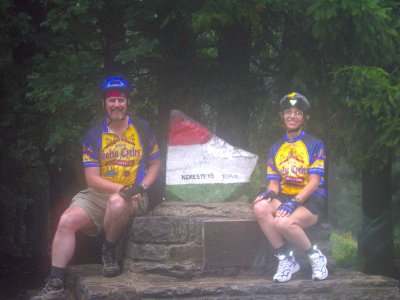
x,y
297,200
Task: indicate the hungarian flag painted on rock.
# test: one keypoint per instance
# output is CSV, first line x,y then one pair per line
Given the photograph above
x,y
201,167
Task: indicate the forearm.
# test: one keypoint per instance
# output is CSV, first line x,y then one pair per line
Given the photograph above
x,y
103,185
151,175
312,185
273,185
94,180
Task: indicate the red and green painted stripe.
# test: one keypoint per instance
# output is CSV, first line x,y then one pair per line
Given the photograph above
x,y
201,167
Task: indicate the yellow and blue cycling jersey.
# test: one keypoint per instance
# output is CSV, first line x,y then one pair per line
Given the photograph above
x,y
121,160
291,162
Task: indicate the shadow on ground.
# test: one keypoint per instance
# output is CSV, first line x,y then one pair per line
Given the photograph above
x,y
19,274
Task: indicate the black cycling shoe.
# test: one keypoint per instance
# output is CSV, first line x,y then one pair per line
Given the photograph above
x,y
53,289
110,265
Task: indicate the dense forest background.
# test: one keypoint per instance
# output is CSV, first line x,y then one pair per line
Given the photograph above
x,y
225,63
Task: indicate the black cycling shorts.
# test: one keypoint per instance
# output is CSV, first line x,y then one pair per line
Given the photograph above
x,y
315,203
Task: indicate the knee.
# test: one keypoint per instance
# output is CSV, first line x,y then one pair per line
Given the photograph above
x,y
68,222
117,204
282,223
262,209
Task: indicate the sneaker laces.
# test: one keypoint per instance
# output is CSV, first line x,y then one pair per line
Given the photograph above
x,y
284,263
316,262
51,284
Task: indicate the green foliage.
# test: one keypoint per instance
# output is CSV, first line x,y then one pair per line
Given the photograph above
x,y
64,96
372,96
346,27
143,49
69,16
222,13
344,248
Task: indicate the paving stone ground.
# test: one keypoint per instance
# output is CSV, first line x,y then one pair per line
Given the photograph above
x,y
176,239
86,282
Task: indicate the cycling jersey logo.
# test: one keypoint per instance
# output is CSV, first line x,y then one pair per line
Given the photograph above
x,y
292,163
120,158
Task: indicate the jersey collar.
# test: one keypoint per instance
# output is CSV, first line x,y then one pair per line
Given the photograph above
x,y
297,138
105,127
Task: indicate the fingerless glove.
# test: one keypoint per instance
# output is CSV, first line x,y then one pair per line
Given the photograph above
x,y
289,206
127,192
267,194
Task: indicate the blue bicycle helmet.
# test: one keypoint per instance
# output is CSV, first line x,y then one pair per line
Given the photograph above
x,y
115,83
294,99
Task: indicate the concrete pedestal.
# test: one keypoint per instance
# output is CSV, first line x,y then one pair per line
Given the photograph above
x,y
186,240
214,251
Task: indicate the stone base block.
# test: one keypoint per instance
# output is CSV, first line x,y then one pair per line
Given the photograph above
x,y
232,243
187,240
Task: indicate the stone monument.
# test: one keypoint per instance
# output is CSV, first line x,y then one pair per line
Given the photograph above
x,y
201,167
201,228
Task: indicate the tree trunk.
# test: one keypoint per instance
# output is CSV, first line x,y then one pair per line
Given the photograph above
x,y
176,72
113,34
235,84
376,245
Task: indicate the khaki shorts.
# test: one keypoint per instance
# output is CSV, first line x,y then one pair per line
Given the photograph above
x,y
95,204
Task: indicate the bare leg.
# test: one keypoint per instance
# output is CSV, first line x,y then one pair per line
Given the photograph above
x,y
117,216
265,214
292,227
63,248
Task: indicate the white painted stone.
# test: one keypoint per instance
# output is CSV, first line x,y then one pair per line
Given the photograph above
x,y
213,162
